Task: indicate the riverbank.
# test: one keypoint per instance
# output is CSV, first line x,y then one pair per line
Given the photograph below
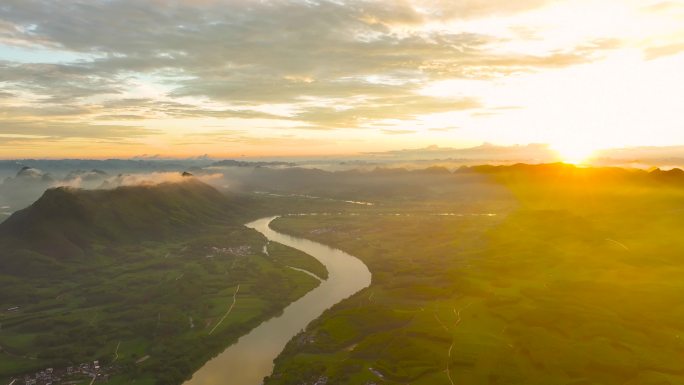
x,y
163,301
250,359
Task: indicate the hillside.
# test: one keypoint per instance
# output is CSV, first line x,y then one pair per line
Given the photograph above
x,y
65,222
136,277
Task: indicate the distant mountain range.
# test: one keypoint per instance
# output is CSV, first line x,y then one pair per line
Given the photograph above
x,y
643,157
23,181
482,154
531,153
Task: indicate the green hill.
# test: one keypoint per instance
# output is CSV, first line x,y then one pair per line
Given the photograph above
x,y
143,271
64,221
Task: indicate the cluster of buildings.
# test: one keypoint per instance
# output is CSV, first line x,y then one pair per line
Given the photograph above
x,y
305,338
238,251
87,371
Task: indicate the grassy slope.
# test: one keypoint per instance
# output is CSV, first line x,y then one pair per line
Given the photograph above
x,y
288,256
151,268
580,285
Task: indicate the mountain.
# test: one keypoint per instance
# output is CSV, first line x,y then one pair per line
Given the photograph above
x,y
65,222
530,153
639,157
144,267
111,166
86,179
22,188
238,163
556,171
30,173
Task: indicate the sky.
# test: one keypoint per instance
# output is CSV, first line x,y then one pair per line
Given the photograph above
x,y
122,78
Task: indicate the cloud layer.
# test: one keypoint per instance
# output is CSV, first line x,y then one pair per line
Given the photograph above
x,y
168,71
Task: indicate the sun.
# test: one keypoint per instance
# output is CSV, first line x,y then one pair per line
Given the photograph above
x,y
574,152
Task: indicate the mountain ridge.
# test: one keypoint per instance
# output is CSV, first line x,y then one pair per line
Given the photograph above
x,y
64,222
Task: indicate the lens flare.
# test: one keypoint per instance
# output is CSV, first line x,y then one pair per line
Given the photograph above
x,y
574,153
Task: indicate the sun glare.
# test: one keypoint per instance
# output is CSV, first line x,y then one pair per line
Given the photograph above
x,y
574,153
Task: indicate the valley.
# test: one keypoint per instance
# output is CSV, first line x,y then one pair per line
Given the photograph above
x,y
341,192
250,359
486,275
572,286
150,308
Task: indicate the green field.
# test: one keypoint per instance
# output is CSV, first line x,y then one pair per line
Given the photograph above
x,y
578,283
161,301
287,256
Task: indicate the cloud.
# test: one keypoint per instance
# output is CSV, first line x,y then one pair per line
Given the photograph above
x,y
662,51
64,130
464,9
50,110
399,107
58,83
398,132
663,6
154,178
121,117
334,64
248,52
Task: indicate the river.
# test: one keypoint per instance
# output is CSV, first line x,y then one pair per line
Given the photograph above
x,y
250,359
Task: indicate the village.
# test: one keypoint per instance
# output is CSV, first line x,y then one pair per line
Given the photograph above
x,y
87,372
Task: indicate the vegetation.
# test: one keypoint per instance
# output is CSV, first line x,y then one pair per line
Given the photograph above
x,y
548,274
579,283
290,257
139,276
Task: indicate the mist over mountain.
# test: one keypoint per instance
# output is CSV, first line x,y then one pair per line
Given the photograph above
x,y
485,153
641,157
94,176
638,157
26,183
25,180
62,167
374,185
21,189
238,163
66,221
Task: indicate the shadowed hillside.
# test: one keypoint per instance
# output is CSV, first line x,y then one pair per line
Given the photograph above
x,y
65,222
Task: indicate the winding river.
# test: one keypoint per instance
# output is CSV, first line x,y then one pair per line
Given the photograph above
x,y
250,359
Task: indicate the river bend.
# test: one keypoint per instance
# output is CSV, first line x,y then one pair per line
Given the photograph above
x,y
250,359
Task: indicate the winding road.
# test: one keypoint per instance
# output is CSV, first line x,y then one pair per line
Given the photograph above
x,y
453,340
230,309
116,352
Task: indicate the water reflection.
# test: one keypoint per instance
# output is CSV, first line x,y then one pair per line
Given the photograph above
x,y
250,359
